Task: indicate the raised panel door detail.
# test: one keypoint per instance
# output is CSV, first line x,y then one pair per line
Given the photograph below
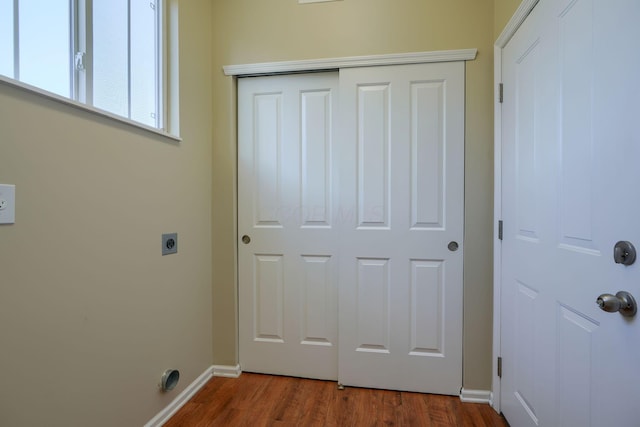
x,y
427,154
526,165
373,156
269,298
316,158
373,305
427,308
318,302
287,274
267,142
402,163
577,167
577,365
525,386
575,347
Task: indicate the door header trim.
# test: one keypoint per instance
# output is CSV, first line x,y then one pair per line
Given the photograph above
x,y
514,23
266,68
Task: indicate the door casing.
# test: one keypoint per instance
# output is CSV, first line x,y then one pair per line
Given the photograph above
x,y
310,66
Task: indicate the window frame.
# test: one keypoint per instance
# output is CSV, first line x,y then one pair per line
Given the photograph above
x,y
81,85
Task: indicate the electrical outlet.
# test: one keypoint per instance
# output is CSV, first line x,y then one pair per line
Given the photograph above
x,y
169,243
7,204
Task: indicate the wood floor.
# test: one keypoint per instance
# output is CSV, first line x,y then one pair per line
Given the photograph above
x,y
264,400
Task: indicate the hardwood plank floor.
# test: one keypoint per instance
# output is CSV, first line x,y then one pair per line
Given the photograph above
x,y
265,400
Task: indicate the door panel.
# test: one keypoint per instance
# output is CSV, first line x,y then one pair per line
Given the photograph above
x,y
401,174
373,156
317,301
427,151
269,292
316,135
427,286
286,200
570,74
373,305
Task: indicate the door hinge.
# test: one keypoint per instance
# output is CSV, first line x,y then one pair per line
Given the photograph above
x,y
500,230
79,61
500,367
501,92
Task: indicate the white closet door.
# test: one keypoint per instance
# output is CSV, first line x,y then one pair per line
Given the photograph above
x,y
401,155
286,208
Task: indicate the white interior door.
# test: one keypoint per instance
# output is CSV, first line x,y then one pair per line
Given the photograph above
x,y
571,152
286,202
401,204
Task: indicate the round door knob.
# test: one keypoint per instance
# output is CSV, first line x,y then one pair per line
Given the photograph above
x,y
453,246
621,301
609,303
246,239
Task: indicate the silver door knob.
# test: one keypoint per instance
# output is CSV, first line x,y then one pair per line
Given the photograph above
x,y
621,301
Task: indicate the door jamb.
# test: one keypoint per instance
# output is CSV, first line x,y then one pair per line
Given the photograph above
x,y
509,30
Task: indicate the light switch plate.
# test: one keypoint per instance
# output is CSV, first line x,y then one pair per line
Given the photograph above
x,y
7,204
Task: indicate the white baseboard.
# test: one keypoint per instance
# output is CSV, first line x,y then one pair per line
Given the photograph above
x,y
475,396
226,371
177,403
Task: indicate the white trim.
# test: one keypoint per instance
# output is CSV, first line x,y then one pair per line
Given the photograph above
x,y
475,396
171,58
514,23
177,403
510,29
497,216
314,1
84,107
349,62
226,371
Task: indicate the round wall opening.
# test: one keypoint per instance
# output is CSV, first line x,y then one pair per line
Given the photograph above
x,y
169,379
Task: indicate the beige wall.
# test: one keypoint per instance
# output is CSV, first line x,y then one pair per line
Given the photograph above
x,y
248,31
90,313
503,11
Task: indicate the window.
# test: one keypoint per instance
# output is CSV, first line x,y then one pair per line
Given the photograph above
x,y
104,53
